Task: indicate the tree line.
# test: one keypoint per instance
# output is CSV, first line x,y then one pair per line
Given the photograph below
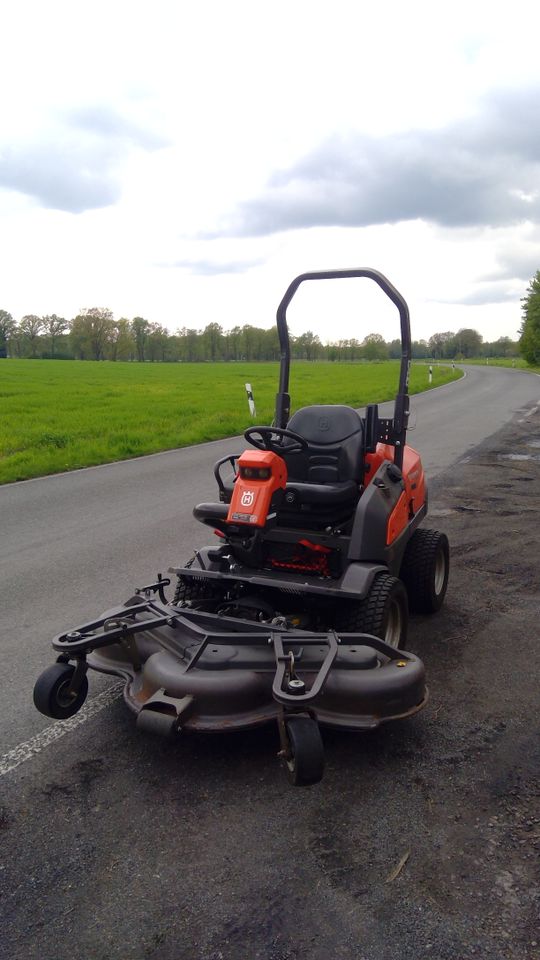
x,y
530,329
94,334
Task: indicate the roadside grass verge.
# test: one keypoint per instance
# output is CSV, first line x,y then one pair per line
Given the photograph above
x,y
63,415
515,362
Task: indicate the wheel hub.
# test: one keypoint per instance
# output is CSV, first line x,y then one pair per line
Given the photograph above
x,y
440,572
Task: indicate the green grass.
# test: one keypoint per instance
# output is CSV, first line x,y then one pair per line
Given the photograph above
x,y
518,362
61,415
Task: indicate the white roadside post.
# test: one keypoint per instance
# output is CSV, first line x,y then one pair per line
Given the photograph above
x,y
430,373
251,402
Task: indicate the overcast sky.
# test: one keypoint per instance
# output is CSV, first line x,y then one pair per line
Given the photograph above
x,y
184,161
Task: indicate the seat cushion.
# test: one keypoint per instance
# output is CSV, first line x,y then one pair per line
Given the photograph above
x,y
335,453
325,494
325,424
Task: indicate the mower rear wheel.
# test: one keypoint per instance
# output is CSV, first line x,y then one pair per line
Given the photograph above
x,y
384,612
52,695
424,570
194,589
305,763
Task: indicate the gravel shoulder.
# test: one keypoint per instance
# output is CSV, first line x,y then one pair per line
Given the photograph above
x,y
116,845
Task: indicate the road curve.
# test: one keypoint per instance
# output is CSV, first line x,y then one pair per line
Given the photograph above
x,y
74,544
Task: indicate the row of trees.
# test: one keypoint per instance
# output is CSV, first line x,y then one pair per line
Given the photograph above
x,y
94,334
530,328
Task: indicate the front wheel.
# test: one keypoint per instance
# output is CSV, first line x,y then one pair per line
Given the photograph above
x,y
195,590
424,570
53,695
305,759
384,613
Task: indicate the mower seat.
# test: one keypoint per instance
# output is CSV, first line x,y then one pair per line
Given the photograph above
x,y
325,479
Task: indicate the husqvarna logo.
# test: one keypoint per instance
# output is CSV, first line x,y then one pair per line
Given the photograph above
x,y
324,423
247,498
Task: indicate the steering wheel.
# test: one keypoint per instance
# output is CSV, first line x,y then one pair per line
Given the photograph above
x,y
272,438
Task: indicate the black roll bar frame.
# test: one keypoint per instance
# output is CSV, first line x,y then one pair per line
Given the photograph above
x,y
401,405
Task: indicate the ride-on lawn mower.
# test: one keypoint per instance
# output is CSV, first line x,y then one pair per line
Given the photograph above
x,y
299,612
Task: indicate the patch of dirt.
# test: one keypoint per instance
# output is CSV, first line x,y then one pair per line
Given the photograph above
x,y
482,657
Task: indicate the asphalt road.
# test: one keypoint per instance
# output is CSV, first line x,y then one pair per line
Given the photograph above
x,y
142,820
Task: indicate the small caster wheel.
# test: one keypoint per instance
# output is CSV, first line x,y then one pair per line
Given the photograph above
x,y
154,721
305,763
52,695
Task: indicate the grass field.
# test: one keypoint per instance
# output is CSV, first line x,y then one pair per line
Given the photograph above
x,y
60,415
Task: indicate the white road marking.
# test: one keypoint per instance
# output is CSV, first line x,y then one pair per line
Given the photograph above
x,y
528,413
25,751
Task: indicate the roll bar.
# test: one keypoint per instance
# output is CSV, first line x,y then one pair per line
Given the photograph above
x,y
401,407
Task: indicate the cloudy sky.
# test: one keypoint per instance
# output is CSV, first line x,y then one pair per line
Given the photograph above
x,y
184,161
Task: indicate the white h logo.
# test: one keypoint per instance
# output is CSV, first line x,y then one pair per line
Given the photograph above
x,y
247,498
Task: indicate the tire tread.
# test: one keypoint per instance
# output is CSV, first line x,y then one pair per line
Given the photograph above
x,y
193,590
366,615
417,569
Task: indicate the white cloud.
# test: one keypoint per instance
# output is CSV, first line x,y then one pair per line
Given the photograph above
x,y
130,131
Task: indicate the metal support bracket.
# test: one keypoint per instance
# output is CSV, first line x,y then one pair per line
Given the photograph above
x,y
153,588
283,667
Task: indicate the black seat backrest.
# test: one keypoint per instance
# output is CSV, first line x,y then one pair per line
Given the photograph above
x,y
336,445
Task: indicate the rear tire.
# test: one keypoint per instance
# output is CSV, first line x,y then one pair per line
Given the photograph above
x,y
424,570
384,612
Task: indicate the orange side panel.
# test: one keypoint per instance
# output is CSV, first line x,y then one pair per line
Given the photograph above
x,y
413,475
399,518
414,495
373,460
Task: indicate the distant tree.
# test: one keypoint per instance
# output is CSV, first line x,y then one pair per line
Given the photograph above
x,y
7,326
31,327
529,341
307,346
157,342
438,344
347,350
394,349
504,347
140,329
233,340
355,349
54,326
78,335
188,345
374,347
174,347
122,344
420,349
468,343
212,342
92,331
16,341
248,342
272,348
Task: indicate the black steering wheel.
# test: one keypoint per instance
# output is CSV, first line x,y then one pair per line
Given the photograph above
x,y
272,438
